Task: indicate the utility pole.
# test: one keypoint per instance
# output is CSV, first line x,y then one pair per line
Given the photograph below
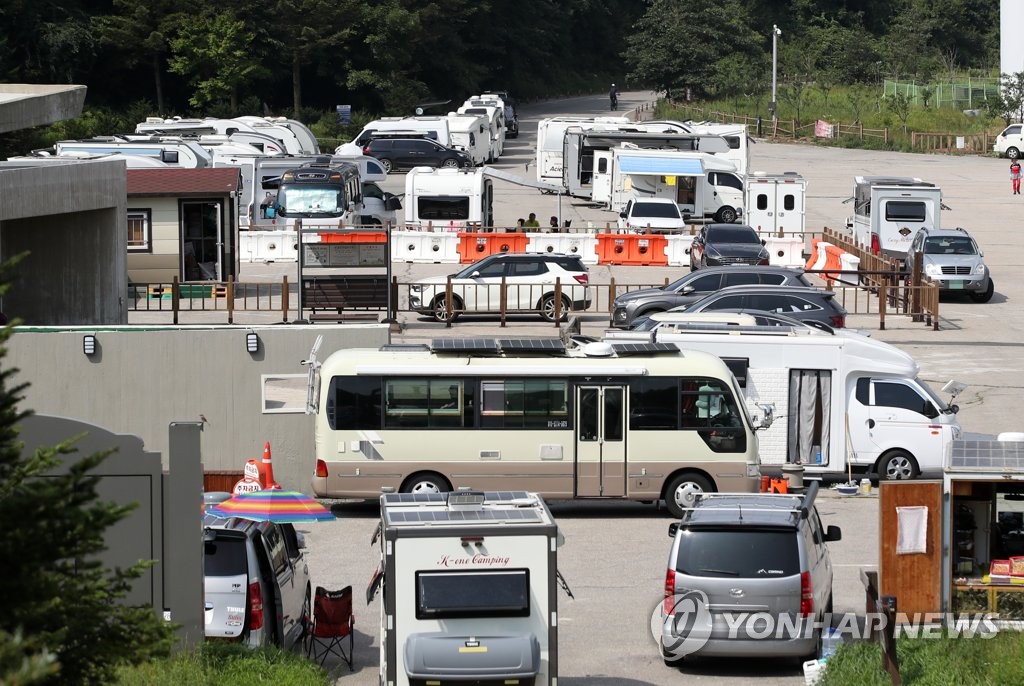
x,y
776,32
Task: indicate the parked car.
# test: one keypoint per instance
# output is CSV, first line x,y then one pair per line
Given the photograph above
x,y
952,259
732,317
802,303
1010,141
735,553
724,244
658,215
694,286
530,286
405,153
255,582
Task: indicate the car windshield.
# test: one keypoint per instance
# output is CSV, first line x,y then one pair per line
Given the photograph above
x,y
949,245
475,267
664,210
939,402
643,324
732,234
743,553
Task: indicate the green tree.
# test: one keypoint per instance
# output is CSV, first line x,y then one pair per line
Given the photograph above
x,y
1009,104
57,598
899,104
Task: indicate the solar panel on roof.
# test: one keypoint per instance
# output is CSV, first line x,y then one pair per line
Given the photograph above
x,y
418,516
464,345
987,456
623,349
537,345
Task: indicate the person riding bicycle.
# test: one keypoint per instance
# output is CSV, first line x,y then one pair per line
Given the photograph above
x,y
613,95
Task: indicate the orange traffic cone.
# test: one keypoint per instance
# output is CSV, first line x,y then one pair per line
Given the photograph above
x,y
267,469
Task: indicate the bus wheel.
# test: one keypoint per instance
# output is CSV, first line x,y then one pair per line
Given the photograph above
x,y
426,482
682,491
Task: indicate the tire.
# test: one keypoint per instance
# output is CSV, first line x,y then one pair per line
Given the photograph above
x,y
681,489
547,308
897,465
985,295
725,215
426,482
671,660
388,165
440,312
1013,153
450,164
307,618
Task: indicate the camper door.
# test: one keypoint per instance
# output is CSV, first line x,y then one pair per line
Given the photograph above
x,y
572,164
601,190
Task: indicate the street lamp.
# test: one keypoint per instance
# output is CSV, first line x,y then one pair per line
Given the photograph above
x,y
776,32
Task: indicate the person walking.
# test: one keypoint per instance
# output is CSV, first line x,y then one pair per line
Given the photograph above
x,y
1015,176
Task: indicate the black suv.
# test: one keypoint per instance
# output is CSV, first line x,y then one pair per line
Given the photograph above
x,y
802,303
406,153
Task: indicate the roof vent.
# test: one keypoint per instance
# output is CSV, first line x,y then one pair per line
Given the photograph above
x,y
598,349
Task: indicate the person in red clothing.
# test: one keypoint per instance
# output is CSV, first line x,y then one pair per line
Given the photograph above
x,y
1015,176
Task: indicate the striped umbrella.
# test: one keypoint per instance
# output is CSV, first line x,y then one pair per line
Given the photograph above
x,y
273,506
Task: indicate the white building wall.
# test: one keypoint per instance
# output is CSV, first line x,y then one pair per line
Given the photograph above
x,y
771,386
1011,47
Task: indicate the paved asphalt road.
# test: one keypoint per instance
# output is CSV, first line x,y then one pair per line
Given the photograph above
x,y
615,553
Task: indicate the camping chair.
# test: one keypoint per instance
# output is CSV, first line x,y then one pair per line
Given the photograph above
x,y
332,623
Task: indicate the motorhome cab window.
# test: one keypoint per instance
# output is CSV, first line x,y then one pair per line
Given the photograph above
x,y
478,593
707,406
896,394
725,179
904,211
443,207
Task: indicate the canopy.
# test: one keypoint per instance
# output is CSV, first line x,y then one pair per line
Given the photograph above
x,y
660,166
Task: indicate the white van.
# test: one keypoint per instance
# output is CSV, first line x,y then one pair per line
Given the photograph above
x,y
1010,141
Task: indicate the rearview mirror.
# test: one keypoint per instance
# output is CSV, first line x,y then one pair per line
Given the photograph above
x,y
622,214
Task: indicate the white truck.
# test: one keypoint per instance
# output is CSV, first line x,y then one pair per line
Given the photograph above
x,y
448,199
776,202
888,211
469,588
826,386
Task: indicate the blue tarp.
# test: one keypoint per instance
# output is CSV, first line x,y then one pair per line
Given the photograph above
x,y
661,166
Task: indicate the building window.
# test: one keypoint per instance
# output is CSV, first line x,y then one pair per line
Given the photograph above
x,y
140,231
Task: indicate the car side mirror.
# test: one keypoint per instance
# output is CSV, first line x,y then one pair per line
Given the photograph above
x,y
687,251
474,274
764,242
833,533
393,203
622,214
687,289
672,529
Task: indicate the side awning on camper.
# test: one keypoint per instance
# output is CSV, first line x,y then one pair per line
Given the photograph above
x,y
660,166
521,180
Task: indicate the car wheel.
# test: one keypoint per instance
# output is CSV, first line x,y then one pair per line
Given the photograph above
x,y
726,215
898,465
450,164
682,491
547,308
387,164
1012,153
306,618
985,295
426,482
675,661
440,309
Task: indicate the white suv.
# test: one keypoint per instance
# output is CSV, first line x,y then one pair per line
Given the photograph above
x,y
657,215
1010,142
529,279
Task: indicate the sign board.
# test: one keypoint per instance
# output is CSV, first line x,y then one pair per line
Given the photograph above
x,y
345,255
344,114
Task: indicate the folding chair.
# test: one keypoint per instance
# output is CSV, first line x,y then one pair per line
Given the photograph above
x,y
333,621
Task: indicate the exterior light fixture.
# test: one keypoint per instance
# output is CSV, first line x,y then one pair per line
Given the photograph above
x,y
252,342
89,344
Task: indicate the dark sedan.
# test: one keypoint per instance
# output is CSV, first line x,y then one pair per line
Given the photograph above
x,y
694,286
725,244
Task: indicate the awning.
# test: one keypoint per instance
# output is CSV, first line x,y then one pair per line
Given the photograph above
x,y
521,180
660,166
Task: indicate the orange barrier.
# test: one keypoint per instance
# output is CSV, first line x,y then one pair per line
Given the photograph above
x,y
632,249
813,259
779,486
833,260
354,237
476,246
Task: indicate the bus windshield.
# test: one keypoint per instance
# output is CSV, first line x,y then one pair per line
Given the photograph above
x,y
310,201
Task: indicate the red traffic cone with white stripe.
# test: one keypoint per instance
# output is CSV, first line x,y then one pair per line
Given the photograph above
x,y
267,469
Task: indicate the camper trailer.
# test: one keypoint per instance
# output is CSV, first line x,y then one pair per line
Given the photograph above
x,y
187,154
736,137
825,385
776,202
888,211
471,133
296,138
233,131
469,588
494,112
550,142
448,199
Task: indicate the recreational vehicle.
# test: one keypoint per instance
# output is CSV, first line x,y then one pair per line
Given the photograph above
x,y
42,157
186,154
776,202
448,199
430,127
235,131
469,588
494,112
327,193
599,421
550,135
471,133
888,211
736,137
840,397
294,135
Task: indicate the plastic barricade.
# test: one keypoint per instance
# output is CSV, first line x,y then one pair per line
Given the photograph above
x,y
676,247
476,246
264,246
817,259
248,246
848,262
270,246
425,247
290,246
353,237
785,252
632,249
582,244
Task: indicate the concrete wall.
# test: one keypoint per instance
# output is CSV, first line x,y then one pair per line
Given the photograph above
x,y
71,220
141,379
24,105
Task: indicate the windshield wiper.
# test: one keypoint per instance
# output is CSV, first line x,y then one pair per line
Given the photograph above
x,y
723,572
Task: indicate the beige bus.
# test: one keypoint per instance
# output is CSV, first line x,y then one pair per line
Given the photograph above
x,y
641,421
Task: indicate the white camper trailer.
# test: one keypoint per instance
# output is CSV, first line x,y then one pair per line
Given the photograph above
x,y
776,202
448,199
824,385
888,211
186,154
736,136
294,136
234,131
471,133
469,588
494,112
550,141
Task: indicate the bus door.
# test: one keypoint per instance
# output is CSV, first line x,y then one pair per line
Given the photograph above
x,y
600,440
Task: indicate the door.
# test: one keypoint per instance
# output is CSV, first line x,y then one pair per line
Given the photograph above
x,y
712,201
789,207
899,417
687,195
201,241
600,440
572,174
601,190
761,205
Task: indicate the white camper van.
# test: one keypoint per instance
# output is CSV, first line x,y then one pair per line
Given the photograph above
x,y
550,141
825,385
295,136
776,202
888,211
469,588
448,199
471,133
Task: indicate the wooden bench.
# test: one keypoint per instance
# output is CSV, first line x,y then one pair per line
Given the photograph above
x,y
340,298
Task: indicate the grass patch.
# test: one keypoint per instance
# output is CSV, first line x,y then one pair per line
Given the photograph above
x,y
225,664
996,661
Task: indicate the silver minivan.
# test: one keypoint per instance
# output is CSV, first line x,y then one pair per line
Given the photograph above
x,y
748,575
255,582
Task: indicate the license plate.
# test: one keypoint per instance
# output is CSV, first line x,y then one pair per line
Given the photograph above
x,y
954,285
